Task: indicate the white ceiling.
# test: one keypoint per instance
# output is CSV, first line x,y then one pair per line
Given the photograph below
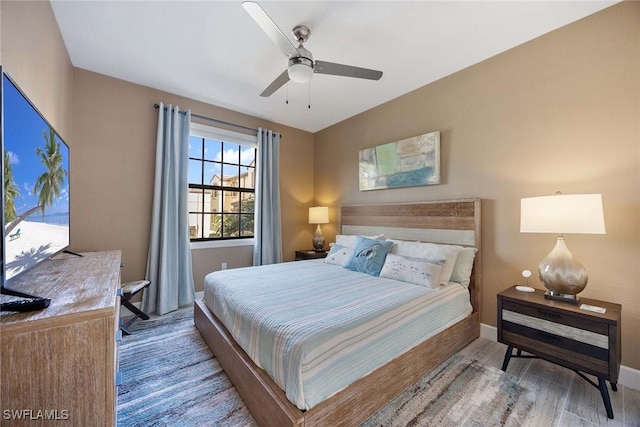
x,y
214,52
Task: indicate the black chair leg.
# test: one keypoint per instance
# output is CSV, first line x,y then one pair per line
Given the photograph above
x,y
135,310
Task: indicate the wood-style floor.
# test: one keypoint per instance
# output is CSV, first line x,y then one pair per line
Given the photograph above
x,y
563,398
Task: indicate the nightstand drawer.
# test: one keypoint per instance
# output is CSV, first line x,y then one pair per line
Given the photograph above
x,y
564,318
559,349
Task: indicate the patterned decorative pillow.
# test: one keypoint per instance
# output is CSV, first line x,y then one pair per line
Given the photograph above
x,y
369,255
413,270
338,255
427,251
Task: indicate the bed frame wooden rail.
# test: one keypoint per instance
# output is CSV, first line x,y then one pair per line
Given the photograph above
x,y
452,221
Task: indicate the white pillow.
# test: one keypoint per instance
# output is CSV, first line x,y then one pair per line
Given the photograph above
x,y
338,255
349,240
413,270
463,266
430,251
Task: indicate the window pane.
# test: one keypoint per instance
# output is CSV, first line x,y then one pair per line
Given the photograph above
x,y
215,201
214,224
231,175
246,225
195,172
211,173
208,197
223,202
215,180
230,225
247,177
196,202
195,147
231,153
212,149
248,203
232,201
195,226
248,156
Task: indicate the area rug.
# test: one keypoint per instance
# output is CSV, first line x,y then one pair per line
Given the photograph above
x,y
170,378
459,392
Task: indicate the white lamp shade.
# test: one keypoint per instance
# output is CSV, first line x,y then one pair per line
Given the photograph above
x,y
562,213
319,215
300,73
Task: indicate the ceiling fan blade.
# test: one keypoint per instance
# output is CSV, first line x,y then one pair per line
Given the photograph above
x,y
270,28
323,67
276,84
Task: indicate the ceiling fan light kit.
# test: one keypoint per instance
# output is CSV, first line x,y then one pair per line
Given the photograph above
x,y
299,70
301,65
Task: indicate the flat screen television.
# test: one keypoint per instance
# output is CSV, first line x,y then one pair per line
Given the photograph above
x,y
35,186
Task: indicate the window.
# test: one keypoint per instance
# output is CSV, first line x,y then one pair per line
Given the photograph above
x,y
222,170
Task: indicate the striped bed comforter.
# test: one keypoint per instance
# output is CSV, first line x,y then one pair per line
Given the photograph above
x,y
315,328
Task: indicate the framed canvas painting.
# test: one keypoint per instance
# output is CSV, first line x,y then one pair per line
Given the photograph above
x,y
410,162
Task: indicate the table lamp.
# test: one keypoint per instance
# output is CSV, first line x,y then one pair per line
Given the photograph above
x,y
560,272
318,215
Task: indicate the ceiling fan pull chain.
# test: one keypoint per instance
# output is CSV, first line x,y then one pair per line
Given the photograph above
x,y
287,100
309,105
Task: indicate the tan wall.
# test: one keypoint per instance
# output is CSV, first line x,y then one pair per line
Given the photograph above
x,y
34,55
561,112
115,128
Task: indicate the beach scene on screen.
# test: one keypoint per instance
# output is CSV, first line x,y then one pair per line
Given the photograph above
x,y
36,185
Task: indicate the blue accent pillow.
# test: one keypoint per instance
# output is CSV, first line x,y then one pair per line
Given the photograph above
x,y
369,255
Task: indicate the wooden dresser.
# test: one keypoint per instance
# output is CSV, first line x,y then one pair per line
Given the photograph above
x,y
59,365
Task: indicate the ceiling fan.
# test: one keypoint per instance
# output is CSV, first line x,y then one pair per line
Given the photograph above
x,y
301,64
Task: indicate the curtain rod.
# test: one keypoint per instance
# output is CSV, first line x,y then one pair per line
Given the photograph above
x,y
156,106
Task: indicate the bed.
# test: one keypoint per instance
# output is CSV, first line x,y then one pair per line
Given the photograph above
x,y
450,222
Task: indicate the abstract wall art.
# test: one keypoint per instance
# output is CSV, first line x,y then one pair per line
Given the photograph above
x,y
410,162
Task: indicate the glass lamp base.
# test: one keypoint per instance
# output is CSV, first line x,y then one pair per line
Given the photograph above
x,y
318,240
562,274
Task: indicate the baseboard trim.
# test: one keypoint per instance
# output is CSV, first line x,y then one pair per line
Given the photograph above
x,y
629,377
489,332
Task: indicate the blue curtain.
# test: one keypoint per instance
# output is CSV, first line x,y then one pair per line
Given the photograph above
x,y
169,260
268,233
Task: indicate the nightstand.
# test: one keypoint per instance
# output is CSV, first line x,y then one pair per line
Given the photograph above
x,y
563,333
310,254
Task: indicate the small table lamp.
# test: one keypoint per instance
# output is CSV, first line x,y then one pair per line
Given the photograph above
x,y
560,272
318,215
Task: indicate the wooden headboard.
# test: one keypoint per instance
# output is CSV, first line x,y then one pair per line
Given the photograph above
x,y
454,222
